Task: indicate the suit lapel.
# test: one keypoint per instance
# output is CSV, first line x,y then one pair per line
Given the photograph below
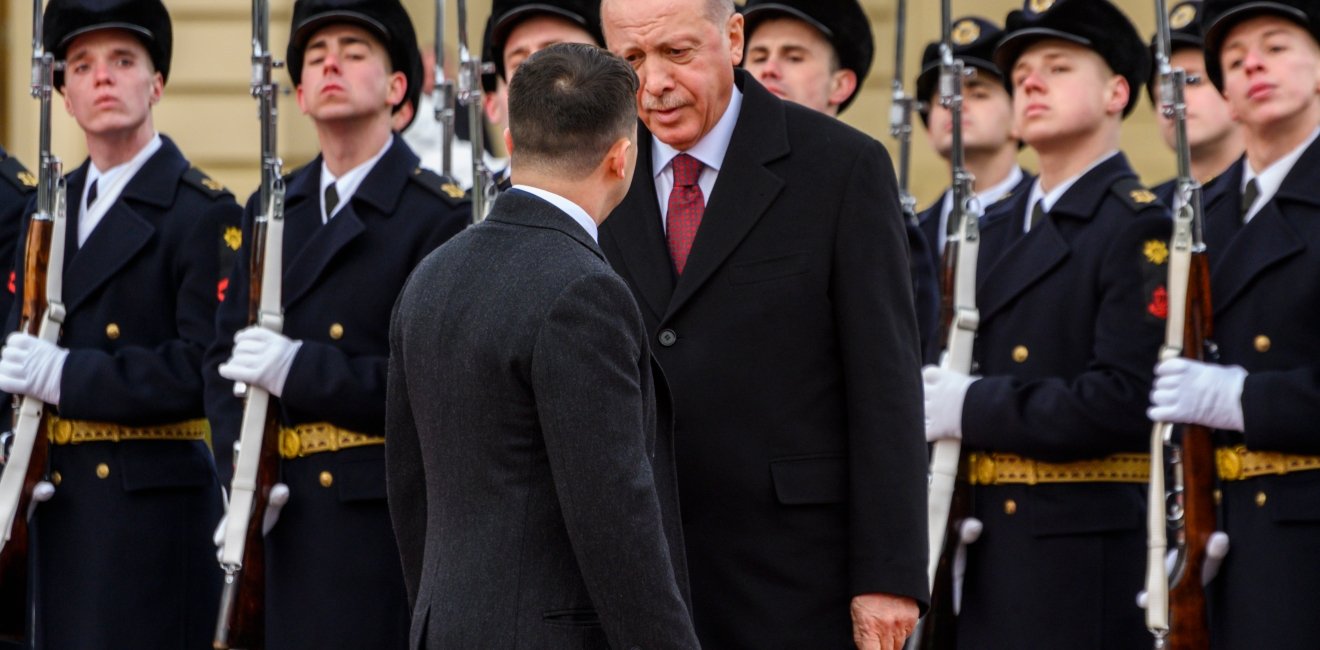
x,y
1028,259
636,226
376,198
124,230
744,190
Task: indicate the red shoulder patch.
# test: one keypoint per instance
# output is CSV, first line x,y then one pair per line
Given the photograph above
x,y
220,289
1159,303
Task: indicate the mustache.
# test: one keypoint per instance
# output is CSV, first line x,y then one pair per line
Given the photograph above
x,y
664,102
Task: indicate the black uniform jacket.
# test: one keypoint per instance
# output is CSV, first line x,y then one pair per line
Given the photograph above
x,y
333,573
929,221
123,558
1265,287
1071,320
16,186
791,348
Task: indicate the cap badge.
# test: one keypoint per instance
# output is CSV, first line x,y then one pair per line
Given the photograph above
x,y
1182,16
965,32
1040,6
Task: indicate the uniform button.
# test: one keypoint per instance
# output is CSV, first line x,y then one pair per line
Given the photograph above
x,y
112,331
336,331
102,470
1020,354
327,479
1010,507
1219,497
56,478
1262,343
1260,499
668,338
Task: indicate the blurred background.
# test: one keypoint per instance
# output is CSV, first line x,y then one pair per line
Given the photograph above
x,y
208,111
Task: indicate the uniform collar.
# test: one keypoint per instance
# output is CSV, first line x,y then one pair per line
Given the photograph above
x,y
1271,178
566,206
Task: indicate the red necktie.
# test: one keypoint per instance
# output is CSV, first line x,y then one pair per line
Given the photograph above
x,y
686,205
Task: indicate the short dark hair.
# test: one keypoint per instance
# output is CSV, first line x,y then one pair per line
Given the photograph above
x,y
568,104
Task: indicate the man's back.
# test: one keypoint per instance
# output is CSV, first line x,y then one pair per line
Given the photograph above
x,y
537,524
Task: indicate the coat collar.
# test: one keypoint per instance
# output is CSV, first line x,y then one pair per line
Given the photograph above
x,y
382,189
519,208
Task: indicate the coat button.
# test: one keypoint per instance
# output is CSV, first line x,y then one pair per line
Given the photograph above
x,y
336,331
1262,344
102,470
1020,354
668,338
1010,507
56,478
1260,499
112,331
327,479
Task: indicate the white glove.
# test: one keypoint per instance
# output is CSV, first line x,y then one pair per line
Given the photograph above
x,y
945,391
1192,392
42,492
279,495
33,367
261,358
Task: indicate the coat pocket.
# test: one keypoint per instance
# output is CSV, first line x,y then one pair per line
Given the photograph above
x,y
1086,508
579,617
152,465
810,480
770,268
361,479
1292,498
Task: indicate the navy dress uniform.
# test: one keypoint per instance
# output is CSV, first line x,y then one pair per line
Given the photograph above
x,y
333,574
120,556
16,187
1265,288
974,39
1071,317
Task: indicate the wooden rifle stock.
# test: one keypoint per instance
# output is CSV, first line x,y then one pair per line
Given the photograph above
x,y
1188,620
14,555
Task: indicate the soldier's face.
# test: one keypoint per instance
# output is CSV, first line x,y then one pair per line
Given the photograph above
x,y
1062,92
1209,120
794,61
684,60
110,83
537,33
1271,71
987,118
346,76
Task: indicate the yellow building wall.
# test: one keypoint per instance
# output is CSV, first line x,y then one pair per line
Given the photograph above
x,y
207,108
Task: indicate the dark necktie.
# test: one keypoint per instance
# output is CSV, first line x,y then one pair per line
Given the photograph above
x,y
1037,213
1249,196
686,205
331,200
91,193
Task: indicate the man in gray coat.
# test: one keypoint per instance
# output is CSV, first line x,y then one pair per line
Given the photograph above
x,y
531,489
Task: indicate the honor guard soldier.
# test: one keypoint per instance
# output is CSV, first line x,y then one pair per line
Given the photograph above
x,y
1213,137
990,141
358,219
1262,232
1071,301
16,187
121,558
817,53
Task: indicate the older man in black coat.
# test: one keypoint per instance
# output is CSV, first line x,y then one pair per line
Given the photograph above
x,y
765,244
531,492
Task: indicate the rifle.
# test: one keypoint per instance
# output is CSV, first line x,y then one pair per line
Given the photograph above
x,y
443,95
900,118
42,315
241,620
1176,611
949,503
484,190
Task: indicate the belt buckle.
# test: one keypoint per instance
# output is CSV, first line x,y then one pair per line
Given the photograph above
x,y
983,469
290,443
1229,462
